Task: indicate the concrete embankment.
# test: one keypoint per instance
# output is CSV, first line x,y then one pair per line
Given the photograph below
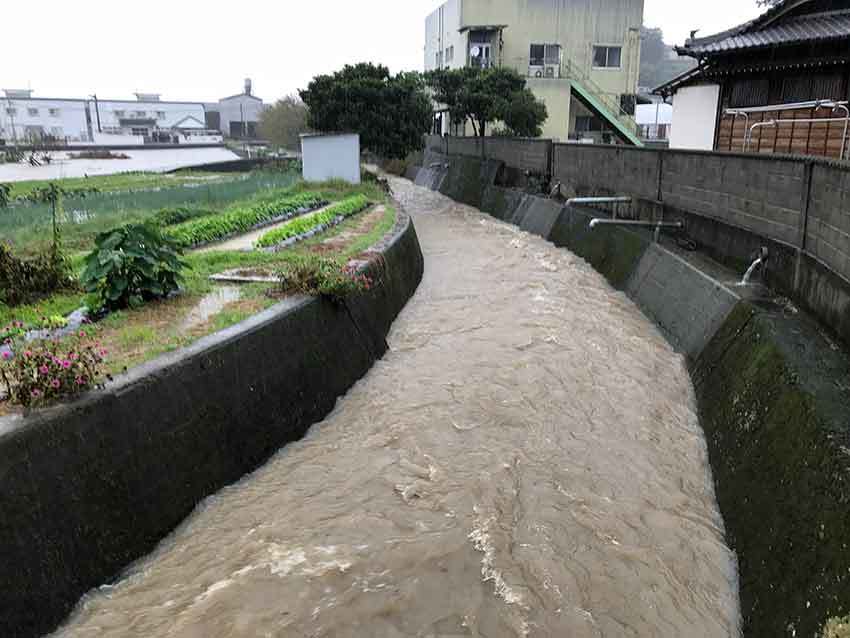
x,y
772,389
89,487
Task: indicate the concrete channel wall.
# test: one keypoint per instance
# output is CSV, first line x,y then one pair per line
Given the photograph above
x,y
772,392
89,487
732,204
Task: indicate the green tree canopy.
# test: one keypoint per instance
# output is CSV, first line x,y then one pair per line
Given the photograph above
x,y
485,96
284,122
391,113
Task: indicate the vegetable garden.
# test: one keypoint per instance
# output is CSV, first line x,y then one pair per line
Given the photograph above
x,y
135,270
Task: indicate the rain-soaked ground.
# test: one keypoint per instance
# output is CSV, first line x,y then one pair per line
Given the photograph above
x,y
526,460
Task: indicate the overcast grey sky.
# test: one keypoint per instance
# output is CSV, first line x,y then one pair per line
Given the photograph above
x,y
202,50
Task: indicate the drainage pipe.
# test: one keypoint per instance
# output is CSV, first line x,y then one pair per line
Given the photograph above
x,y
749,138
618,199
835,107
734,113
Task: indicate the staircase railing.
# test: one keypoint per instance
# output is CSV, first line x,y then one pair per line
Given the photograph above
x,y
571,70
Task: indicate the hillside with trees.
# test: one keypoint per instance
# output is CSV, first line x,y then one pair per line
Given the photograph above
x,y
659,63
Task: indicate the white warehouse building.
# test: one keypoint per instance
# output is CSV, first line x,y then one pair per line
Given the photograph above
x,y
145,120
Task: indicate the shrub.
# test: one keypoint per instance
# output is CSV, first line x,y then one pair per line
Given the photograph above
x,y
44,371
346,208
27,280
131,265
178,215
241,219
316,275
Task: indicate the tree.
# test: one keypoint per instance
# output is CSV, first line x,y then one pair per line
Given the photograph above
x,y
284,122
391,113
485,96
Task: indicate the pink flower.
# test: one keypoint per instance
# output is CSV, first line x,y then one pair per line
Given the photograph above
x,y
80,380
66,364
82,333
36,392
44,369
27,354
6,355
72,356
103,352
55,383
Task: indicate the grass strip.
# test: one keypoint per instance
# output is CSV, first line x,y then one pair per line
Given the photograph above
x,y
346,208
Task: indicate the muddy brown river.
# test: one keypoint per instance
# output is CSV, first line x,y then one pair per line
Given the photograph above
x,y
526,460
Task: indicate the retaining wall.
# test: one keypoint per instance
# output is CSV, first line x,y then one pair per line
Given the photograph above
x,y
87,488
772,391
732,203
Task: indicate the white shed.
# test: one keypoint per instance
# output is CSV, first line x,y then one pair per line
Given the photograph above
x,y
331,156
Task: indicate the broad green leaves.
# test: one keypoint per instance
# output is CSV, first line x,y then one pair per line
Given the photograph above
x,y
131,265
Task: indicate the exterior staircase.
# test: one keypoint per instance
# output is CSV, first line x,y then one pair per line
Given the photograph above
x,y
601,104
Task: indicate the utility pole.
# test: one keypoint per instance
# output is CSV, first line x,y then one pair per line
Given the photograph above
x,y
97,112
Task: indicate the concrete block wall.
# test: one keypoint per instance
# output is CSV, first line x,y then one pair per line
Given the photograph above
x,y
750,192
828,227
527,154
596,169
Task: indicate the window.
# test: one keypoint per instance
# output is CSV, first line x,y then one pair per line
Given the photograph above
x,y
11,111
53,112
56,131
587,124
160,115
32,112
536,55
141,113
607,57
139,131
450,54
439,59
540,54
119,113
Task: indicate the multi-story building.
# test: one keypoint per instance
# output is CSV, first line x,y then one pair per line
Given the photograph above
x,y
581,57
147,119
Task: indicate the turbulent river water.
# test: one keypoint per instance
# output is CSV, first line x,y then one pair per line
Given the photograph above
x,y
526,460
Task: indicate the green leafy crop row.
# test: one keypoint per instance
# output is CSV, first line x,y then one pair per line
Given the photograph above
x,y
179,214
346,208
239,219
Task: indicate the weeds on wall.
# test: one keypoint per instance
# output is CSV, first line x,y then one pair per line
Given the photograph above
x,y
323,276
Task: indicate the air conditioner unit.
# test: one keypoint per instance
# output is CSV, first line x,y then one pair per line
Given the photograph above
x,y
535,71
553,71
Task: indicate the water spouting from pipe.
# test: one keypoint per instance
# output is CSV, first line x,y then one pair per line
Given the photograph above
x,y
750,271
